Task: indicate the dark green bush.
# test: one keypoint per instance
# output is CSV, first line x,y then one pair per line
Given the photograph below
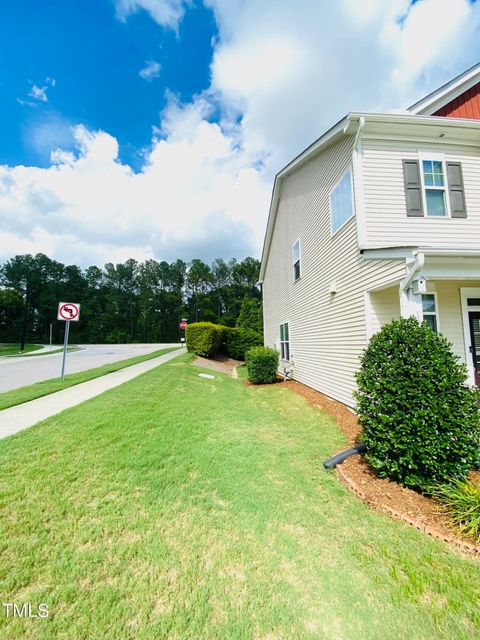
x,y
420,422
204,338
239,341
117,336
251,316
262,364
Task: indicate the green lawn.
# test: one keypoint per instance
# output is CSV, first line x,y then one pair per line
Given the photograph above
x,y
184,508
44,388
13,349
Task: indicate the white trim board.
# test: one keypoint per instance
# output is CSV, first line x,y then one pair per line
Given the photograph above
x,y
447,92
468,292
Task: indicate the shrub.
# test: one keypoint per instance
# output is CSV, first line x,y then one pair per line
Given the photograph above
x,y
420,422
250,316
204,338
117,336
462,501
239,341
262,364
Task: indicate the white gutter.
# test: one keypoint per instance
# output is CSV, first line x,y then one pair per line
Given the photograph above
x,y
454,253
411,118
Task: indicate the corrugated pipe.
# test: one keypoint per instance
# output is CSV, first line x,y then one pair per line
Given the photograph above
x,y
332,462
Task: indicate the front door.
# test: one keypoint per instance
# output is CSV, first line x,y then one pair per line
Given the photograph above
x,y
474,321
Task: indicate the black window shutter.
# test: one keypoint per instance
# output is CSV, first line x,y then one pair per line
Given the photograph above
x,y
455,187
413,188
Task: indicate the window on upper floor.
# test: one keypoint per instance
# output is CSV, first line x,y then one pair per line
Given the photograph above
x,y
434,188
341,203
284,342
296,260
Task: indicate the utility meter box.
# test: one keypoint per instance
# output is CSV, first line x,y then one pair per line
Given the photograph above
x,y
419,286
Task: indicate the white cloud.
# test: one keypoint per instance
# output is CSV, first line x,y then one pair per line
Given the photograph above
x,y
38,93
198,194
167,13
150,71
293,69
282,72
431,28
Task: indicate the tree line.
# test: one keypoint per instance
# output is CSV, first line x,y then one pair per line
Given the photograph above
x,y
126,302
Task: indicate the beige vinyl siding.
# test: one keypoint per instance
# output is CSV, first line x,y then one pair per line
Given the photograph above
x,y
386,220
385,307
327,332
450,311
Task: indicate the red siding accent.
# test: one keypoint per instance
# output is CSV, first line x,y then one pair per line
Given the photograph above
x,y
467,105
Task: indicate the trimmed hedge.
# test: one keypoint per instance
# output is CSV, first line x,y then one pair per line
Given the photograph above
x,y
262,365
239,341
420,422
204,338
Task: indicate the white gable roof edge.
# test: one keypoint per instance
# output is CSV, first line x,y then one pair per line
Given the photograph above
x,y
447,92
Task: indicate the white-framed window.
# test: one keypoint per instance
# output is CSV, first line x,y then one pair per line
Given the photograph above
x,y
434,186
284,342
296,260
430,311
341,202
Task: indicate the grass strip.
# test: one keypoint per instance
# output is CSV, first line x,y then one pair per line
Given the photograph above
x,y
8,349
46,353
46,387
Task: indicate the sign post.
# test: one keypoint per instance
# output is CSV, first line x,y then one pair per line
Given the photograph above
x,y
183,325
68,311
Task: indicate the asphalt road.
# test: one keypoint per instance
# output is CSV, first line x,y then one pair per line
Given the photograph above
x,y
19,372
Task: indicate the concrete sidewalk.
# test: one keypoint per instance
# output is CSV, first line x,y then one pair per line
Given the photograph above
x,y
27,414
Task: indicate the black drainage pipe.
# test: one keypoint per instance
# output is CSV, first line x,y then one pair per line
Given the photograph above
x,y
332,462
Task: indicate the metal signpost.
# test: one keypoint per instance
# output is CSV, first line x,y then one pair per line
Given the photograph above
x,y
183,325
70,312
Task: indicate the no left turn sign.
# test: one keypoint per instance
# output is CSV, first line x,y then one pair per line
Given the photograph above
x,y
68,311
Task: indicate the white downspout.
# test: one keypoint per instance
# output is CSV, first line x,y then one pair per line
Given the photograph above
x,y
361,124
360,213
411,304
358,184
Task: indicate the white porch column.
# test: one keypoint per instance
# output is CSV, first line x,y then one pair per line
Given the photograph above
x,y
410,304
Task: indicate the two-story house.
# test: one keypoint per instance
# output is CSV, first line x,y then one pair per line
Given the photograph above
x,y
377,219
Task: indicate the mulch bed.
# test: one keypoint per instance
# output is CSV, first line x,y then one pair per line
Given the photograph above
x,y
384,495
220,363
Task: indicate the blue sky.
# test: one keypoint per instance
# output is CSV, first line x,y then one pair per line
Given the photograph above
x,y
95,61
154,128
